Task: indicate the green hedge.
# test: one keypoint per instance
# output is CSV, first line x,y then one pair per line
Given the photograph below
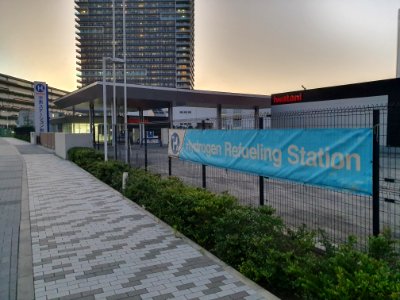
x,y
255,241
24,133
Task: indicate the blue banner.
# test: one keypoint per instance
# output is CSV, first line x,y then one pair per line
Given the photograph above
x,y
337,158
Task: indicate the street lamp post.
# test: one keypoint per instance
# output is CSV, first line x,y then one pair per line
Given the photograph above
x,y
125,91
114,61
105,131
114,106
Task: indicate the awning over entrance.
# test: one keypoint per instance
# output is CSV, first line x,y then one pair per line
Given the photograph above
x,y
139,98
146,97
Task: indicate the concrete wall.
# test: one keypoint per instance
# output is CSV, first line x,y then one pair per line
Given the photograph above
x,y
65,141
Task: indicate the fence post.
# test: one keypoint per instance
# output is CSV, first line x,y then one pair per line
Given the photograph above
x,y
115,135
145,150
171,125
375,174
129,148
203,167
261,178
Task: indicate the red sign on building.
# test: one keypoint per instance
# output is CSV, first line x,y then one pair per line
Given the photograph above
x,y
286,99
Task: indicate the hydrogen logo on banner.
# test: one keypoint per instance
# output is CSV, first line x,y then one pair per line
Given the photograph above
x,y
40,88
175,143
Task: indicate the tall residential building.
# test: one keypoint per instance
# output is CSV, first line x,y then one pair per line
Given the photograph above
x,y
159,39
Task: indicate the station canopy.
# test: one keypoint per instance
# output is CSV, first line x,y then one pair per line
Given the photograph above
x,y
149,97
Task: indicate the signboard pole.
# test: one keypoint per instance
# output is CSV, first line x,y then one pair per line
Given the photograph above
x,y
375,174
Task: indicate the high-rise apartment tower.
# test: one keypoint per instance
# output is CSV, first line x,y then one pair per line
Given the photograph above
x,y
159,39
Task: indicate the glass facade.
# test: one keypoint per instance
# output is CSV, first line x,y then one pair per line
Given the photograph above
x,y
159,39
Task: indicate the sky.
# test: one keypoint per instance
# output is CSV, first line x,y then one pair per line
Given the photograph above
x,y
242,46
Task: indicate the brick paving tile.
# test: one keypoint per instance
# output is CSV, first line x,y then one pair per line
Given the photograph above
x,y
90,242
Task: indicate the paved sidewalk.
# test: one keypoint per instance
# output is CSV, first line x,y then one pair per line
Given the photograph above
x,y
89,242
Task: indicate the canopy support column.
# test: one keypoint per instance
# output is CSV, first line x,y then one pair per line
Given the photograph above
x,y
256,117
91,124
219,116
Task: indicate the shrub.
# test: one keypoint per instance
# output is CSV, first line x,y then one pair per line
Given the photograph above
x,y
26,138
383,247
142,187
205,214
239,229
23,132
109,172
84,157
255,241
193,211
350,274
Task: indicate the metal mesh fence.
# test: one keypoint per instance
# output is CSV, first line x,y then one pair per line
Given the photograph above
x,y
341,214
338,213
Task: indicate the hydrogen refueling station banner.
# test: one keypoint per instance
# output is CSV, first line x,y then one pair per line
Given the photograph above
x,y
337,158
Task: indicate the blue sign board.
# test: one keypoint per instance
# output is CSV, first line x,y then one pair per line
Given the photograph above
x,y
337,158
41,107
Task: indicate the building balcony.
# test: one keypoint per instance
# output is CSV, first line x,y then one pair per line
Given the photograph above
x,y
183,23
181,54
183,6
